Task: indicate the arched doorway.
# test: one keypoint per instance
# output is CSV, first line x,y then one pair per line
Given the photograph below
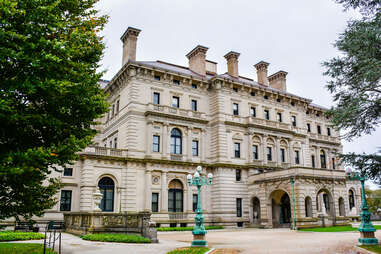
x,y
324,203
175,196
256,210
341,207
281,208
107,188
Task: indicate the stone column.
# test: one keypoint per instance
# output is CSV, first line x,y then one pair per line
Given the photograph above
x,y
203,145
164,192
317,155
249,147
148,190
189,199
290,152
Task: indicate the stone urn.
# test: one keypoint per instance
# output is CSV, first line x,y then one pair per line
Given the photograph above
x,y
97,197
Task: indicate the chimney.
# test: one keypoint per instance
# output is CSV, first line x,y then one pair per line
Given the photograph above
x,y
262,73
278,80
129,39
232,61
197,59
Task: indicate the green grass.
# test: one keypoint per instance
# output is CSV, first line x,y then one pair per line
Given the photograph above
x,y
23,248
334,229
189,250
120,238
374,248
6,236
187,228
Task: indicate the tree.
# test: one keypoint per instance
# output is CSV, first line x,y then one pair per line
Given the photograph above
x,y
355,81
373,199
49,96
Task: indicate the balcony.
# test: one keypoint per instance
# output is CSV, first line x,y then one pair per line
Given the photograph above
x,y
176,111
104,151
324,137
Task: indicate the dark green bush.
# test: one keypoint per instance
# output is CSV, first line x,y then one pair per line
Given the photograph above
x,y
6,236
120,238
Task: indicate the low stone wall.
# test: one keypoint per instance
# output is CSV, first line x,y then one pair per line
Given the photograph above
x,y
100,222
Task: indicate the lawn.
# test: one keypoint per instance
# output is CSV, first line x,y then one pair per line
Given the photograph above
x,y
119,238
6,236
187,228
374,248
23,248
189,250
334,229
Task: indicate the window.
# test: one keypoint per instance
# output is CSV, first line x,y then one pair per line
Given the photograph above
x,y
194,203
65,204
265,97
308,127
68,172
115,142
195,147
293,119
113,110
175,102
156,143
194,86
322,159
308,206
176,82
297,160
238,175
319,129
269,153
110,143
237,150
253,112
117,106
333,163
157,77
267,114
156,98
252,93
175,196
351,199
283,155
235,109
155,203
176,141
239,207
194,105
106,186
255,152
279,117
292,103
313,161
278,100
329,131
235,89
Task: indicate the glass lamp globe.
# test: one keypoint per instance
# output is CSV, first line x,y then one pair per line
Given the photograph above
x,y
199,169
348,171
210,175
189,177
196,174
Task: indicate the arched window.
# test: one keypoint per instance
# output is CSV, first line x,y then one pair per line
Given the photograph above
x,y
106,186
308,206
176,141
175,196
351,199
323,163
341,207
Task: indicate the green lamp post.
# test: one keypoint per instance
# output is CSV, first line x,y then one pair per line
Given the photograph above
x,y
199,229
366,228
292,180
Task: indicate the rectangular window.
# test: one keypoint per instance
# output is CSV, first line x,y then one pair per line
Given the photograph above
x,y
267,114
110,143
313,161
194,203
237,150
155,202
297,161
195,147
194,86
235,109
253,112
113,110
117,106
239,207
175,102
115,143
283,155
255,152
65,204
156,98
293,119
279,117
269,154
333,163
238,175
319,129
156,143
308,127
68,172
176,82
194,105
157,77
329,131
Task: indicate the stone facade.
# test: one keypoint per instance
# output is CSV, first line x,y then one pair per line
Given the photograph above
x,y
254,137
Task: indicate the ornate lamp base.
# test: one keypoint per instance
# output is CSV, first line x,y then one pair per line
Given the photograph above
x,y
199,241
367,238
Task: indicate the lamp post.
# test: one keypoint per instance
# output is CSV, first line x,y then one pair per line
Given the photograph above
x,y
366,228
199,229
292,180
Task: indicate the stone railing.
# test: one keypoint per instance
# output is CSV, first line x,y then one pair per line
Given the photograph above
x,y
177,216
176,111
104,151
97,222
324,137
176,157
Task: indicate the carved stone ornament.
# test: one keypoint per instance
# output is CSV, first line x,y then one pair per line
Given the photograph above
x,y
155,179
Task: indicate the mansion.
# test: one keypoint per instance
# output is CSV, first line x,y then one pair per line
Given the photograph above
x,y
273,154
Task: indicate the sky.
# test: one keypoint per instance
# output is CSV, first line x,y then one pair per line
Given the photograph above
x,y
294,36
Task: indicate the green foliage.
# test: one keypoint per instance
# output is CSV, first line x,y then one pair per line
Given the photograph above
x,y
368,164
23,248
191,250
187,228
19,236
373,248
334,229
120,238
373,199
49,96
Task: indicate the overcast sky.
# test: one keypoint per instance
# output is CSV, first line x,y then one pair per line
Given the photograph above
x,y
295,36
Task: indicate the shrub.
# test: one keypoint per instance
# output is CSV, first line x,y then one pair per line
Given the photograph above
x,y
187,228
120,238
23,248
6,236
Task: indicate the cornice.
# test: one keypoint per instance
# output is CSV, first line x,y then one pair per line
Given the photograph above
x,y
189,119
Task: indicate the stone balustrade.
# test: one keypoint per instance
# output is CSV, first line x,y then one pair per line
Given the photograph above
x,y
176,111
104,151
